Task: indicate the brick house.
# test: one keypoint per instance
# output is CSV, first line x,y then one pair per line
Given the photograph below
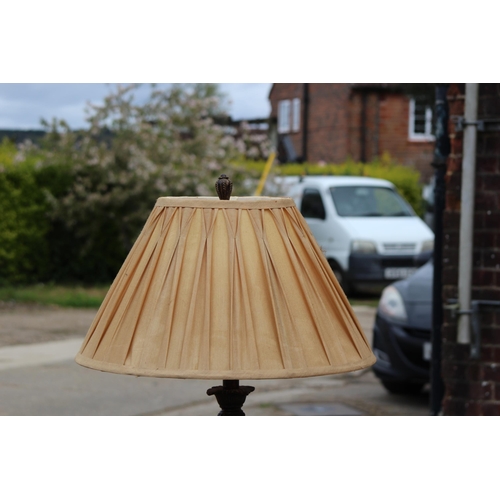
x,y
330,122
472,383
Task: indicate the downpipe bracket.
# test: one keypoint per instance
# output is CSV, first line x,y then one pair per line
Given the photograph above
x,y
487,124
478,306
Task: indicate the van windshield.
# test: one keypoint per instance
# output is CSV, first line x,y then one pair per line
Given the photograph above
x,y
369,201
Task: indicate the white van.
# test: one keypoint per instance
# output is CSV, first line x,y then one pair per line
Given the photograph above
x,y
370,235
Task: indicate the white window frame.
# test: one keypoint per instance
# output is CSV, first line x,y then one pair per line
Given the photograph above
x,y
288,115
296,115
284,116
420,136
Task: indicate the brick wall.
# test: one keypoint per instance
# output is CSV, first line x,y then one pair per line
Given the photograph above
x,y
327,118
369,140
394,113
335,125
386,131
328,131
472,387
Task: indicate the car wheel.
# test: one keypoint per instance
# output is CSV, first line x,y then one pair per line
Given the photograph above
x,y
341,277
398,387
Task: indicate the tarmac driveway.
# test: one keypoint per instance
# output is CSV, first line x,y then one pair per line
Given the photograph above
x,y
38,376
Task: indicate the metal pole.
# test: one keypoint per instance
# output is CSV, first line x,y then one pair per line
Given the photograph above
x,y
265,173
441,152
467,214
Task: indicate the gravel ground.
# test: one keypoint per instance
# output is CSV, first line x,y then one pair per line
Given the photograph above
x,y
28,324
32,323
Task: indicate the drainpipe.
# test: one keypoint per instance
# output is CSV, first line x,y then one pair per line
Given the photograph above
x,y
362,135
467,214
441,152
377,127
305,120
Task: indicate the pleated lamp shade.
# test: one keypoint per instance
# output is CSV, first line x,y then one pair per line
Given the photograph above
x,y
216,289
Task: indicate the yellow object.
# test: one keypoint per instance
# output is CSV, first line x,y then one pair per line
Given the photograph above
x,y
265,173
231,290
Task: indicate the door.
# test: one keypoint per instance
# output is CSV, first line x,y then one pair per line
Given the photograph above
x,y
312,209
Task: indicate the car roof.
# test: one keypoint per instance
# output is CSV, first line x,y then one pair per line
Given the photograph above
x,y
345,180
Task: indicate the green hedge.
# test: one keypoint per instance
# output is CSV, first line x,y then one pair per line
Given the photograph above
x,y
23,223
36,245
33,246
406,179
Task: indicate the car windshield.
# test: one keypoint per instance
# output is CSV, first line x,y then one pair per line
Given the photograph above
x,y
369,201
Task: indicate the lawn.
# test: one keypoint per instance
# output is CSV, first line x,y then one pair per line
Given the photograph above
x,y
79,296
64,296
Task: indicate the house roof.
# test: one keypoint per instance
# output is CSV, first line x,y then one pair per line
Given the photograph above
x,y
376,86
394,87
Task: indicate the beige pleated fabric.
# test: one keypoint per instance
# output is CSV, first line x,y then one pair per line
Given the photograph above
x,y
228,290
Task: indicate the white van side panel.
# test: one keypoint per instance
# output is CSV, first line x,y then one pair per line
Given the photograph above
x,y
392,236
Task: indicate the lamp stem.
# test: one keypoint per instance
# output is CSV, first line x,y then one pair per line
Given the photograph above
x,y
231,397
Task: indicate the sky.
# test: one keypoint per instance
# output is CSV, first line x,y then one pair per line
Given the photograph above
x,y
23,105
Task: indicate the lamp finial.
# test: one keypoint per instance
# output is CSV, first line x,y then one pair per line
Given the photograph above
x,y
224,186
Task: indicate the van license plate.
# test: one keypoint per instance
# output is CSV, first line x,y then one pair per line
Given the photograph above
x,y
397,273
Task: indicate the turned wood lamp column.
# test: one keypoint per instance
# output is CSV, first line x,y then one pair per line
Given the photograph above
x,y
230,395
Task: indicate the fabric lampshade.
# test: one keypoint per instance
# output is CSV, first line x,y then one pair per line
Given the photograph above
x,y
225,289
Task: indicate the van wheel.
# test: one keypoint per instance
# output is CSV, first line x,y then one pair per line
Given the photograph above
x,y
341,277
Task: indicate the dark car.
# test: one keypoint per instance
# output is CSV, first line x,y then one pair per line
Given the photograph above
x,y
402,333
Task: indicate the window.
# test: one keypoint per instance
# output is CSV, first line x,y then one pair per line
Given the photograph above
x,y
296,115
420,120
288,116
368,201
284,117
312,205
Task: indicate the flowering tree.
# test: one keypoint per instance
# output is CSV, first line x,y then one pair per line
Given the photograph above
x,y
253,143
132,153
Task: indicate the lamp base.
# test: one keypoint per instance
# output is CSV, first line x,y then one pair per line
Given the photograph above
x,y
230,396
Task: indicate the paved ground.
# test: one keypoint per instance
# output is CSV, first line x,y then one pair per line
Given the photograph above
x,y
39,377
